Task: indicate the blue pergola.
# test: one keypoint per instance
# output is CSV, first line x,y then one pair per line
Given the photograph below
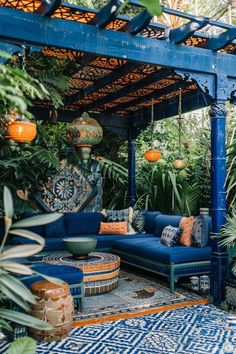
x,y
128,63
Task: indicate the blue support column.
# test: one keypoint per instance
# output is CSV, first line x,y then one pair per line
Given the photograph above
x,y
131,168
218,114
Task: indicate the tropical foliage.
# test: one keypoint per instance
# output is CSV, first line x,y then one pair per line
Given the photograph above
x,y
12,290
15,88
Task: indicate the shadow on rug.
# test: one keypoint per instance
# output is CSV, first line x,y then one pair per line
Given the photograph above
x,y
198,329
133,297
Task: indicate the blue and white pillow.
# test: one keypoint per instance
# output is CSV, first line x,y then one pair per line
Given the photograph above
x,y
200,231
139,220
120,215
170,235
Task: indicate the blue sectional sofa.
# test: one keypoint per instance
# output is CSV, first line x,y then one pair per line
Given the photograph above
x,y
140,250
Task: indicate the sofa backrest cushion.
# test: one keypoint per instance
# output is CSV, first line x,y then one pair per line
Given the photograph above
x,y
161,221
2,228
149,225
39,229
56,228
83,223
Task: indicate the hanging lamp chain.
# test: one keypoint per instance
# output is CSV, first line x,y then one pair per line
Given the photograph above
x,y
24,57
180,121
152,123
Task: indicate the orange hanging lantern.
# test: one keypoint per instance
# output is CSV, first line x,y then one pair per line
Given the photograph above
x,y
152,155
22,130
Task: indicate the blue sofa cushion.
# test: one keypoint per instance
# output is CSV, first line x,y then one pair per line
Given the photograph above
x,y
2,228
170,235
161,221
103,241
83,223
149,221
69,274
200,231
56,228
151,248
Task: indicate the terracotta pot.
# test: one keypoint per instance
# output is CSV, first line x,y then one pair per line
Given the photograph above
x,y
56,306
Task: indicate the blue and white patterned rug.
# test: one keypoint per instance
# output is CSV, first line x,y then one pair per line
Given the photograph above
x,y
198,329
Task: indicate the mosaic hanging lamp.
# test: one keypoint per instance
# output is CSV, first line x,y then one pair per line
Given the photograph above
x,y
179,163
152,155
84,132
20,129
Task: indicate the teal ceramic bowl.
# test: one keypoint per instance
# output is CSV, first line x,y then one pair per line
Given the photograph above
x,y
79,247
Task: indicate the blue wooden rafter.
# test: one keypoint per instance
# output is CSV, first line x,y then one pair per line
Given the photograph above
x,y
155,77
102,82
185,31
155,94
221,40
139,22
48,7
108,13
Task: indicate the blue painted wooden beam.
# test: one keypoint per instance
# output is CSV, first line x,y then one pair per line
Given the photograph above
x,y
185,31
100,83
221,40
156,94
48,7
34,29
139,22
190,102
158,75
108,13
185,15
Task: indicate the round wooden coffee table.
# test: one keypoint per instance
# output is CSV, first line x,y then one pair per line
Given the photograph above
x,y
101,270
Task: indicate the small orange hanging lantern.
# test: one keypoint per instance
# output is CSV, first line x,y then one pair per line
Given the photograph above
x,y
21,129
152,155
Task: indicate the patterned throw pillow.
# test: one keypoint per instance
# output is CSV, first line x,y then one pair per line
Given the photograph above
x,y
121,215
186,237
200,231
113,228
139,220
170,235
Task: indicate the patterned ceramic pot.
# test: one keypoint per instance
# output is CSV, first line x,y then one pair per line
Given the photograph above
x,y
85,131
56,306
194,281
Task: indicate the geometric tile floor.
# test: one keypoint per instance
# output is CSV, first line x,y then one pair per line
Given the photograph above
x,y
200,329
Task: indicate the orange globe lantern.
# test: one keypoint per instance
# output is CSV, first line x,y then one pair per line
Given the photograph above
x,y
22,130
152,155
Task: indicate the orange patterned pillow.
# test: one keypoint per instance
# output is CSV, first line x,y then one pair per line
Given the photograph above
x,y
113,228
186,237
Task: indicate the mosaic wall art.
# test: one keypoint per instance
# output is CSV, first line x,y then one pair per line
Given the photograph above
x,y
73,189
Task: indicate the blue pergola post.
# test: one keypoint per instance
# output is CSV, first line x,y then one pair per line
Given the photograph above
x,y
131,168
218,114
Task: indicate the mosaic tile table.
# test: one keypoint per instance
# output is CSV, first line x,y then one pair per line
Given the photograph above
x,y
101,270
